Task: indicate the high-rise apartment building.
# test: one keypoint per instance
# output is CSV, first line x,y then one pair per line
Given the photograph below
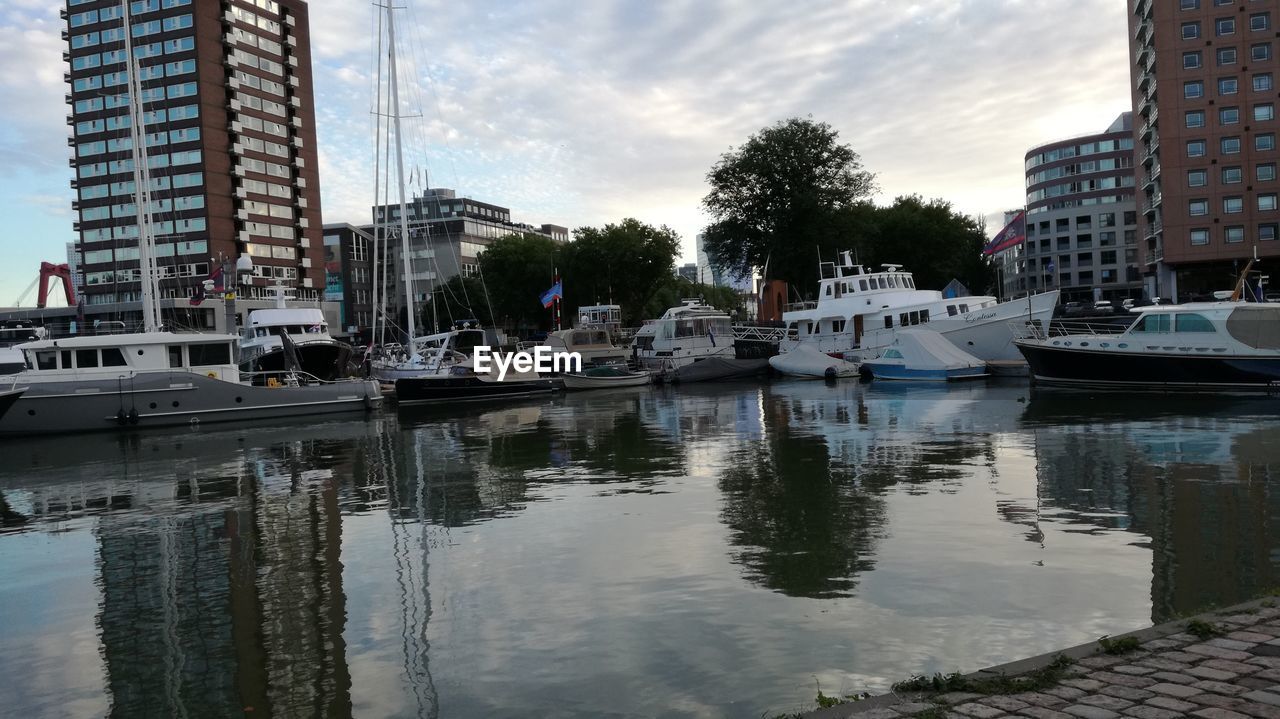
x,y
1081,220
230,143
1204,96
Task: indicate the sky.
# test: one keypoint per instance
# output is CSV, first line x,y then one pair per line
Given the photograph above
x,y
577,114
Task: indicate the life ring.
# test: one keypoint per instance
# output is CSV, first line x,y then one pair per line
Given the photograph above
x,y
211,375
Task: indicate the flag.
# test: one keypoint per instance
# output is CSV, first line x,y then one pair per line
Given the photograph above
x,y
1014,234
212,284
553,294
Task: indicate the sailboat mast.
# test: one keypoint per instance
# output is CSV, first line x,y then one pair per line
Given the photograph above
x,y
141,183
404,212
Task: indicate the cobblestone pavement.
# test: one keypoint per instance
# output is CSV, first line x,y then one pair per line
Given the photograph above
x,y
1235,675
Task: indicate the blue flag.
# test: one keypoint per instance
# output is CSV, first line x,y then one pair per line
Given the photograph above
x,y
553,294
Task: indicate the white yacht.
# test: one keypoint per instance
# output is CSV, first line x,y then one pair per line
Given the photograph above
x,y
316,352
12,334
154,379
593,344
858,313
692,342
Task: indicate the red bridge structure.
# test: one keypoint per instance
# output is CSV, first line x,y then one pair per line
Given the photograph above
x,y
47,271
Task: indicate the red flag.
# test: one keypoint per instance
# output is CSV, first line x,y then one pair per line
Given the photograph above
x,y
1014,234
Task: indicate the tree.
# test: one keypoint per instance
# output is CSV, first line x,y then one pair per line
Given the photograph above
x,y
781,196
623,263
677,288
462,298
517,269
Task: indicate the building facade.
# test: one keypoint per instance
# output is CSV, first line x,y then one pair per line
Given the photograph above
x,y
1204,93
1082,227
348,280
447,235
230,135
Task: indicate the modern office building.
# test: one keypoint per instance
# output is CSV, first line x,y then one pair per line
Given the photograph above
x,y
230,135
348,279
447,235
688,271
1082,232
1204,93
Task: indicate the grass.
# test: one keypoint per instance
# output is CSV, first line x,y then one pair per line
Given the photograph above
x,y
936,712
1042,678
1124,645
1203,629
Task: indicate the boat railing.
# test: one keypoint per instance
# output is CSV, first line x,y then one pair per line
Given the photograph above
x,y
284,378
760,334
526,345
799,306
1029,329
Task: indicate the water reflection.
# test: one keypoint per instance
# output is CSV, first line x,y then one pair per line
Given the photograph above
x,y
692,551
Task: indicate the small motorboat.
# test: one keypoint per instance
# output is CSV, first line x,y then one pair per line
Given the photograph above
x,y
605,377
805,361
921,354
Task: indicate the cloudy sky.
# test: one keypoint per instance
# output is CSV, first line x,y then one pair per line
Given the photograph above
x,y
584,113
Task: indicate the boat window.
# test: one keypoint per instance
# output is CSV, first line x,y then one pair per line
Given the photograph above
x,y
261,332
1187,322
828,292
113,357
884,285
837,325
175,356
911,282
924,315
951,311
47,359
86,358
862,285
1152,323
904,319
892,354
214,353
66,359
964,308
1253,327
888,321
915,317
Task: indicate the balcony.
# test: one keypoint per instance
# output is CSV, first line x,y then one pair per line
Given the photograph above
x,y
305,262
1145,57
1142,31
64,14
302,202
1155,256
288,19
1153,229
293,41
296,122
1144,9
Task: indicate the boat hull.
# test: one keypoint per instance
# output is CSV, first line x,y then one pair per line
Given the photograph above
x,y
324,360
580,382
1075,367
888,371
165,399
717,368
8,398
465,388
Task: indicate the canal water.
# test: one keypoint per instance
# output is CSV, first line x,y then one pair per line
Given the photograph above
x,y
700,551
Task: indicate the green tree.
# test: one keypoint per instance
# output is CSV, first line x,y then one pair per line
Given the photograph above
x,y
517,269
929,239
625,263
677,288
462,298
781,196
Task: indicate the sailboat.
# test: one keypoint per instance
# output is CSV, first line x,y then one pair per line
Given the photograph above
x,y
439,367
155,377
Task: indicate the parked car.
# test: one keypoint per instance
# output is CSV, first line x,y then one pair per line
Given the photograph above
x,y
1103,307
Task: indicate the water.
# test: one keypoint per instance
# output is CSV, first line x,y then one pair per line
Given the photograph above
x,y
702,551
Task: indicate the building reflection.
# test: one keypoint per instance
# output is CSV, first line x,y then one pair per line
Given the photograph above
x,y
1196,482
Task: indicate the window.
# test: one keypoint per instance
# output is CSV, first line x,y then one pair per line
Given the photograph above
x,y
1233,234
1265,111
1195,118
1231,175
1200,237
1131,217
1190,322
209,354
1264,141
1265,172
1193,89
1230,145
1260,51
1267,201
1190,30
1226,56
1195,148
1197,208
1189,4
1260,21
1267,231
1225,26
1228,115
1197,178
112,357
1233,205
1108,257
1191,60
86,358
1262,82
1228,86
1107,219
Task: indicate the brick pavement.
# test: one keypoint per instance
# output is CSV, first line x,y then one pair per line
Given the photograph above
x,y
1234,675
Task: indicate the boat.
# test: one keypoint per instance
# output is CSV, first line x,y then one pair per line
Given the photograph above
x,y
858,314
313,350
805,361
8,398
442,369
12,334
693,342
605,378
156,379
1198,346
593,344
922,354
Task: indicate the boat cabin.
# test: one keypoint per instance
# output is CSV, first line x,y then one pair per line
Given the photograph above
x,y
113,355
